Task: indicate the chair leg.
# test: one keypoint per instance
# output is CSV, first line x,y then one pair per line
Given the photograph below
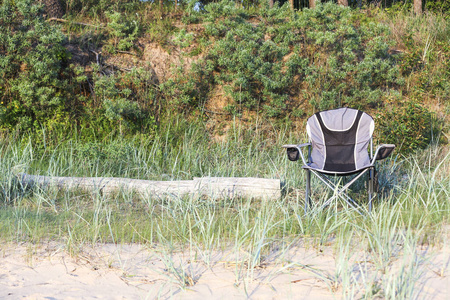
x,y
371,185
308,190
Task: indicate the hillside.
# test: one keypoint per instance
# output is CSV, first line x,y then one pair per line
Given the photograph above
x,y
128,70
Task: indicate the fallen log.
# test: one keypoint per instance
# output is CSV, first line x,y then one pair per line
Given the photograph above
x,y
213,187
245,187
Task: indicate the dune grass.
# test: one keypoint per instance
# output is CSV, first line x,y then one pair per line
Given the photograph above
x,y
410,211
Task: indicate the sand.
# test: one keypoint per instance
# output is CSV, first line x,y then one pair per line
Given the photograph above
x,y
109,271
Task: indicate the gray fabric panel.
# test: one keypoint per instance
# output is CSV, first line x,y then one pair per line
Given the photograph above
x,y
318,145
340,119
363,136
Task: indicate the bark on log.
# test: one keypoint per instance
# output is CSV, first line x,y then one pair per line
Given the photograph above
x,y
213,187
246,187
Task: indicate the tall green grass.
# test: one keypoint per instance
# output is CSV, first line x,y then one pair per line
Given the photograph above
x,y
411,210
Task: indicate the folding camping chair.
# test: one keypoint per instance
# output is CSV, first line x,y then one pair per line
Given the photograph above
x,y
338,146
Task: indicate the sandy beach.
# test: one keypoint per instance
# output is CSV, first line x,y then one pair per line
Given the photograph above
x,y
108,271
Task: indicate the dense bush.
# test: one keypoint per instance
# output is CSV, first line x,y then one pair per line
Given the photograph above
x,y
38,87
95,8
123,31
32,58
127,102
408,125
439,6
350,64
330,56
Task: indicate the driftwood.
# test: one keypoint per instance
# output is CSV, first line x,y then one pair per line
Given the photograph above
x,y
76,23
214,187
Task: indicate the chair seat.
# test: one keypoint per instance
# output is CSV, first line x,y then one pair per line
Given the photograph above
x,y
311,166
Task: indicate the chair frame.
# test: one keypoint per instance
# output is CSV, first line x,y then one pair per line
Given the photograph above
x,y
382,152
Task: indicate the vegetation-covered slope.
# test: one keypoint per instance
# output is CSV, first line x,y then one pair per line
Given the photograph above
x,y
121,68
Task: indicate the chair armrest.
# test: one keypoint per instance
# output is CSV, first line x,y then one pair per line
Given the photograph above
x,y
383,151
297,146
294,152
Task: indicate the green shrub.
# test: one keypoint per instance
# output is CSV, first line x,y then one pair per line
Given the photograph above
x,y
97,8
350,63
123,32
183,39
32,57
439,6
408,125
127,101
330,55
117,151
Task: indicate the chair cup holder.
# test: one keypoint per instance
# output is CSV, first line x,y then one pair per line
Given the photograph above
x,y
293,154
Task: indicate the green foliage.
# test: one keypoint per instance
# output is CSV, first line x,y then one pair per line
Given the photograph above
x,y
97,8
123,32
192,12
159,30
122,105
439,6
408,125
38,88
350,62
32,58
183,39
424,63
331,56
116,151
412,59
396,6
188,90
275,63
